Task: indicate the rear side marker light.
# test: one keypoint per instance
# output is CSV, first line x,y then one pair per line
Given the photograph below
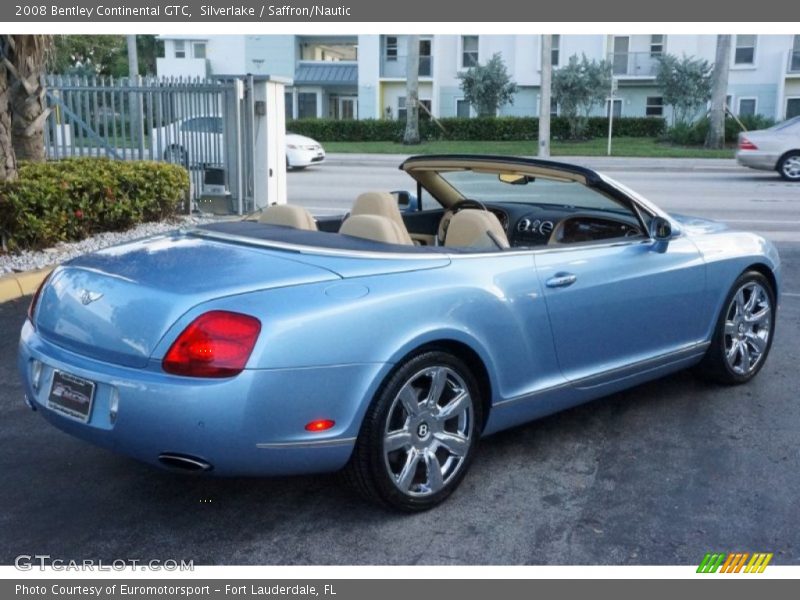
x,y
215,344
321,425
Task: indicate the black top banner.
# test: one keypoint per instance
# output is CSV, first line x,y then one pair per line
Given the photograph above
x,y
260,11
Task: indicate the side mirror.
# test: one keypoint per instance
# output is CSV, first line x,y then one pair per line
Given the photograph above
x,y
661,232
660,229
406,201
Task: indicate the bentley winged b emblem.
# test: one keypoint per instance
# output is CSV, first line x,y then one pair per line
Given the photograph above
x,y
88,296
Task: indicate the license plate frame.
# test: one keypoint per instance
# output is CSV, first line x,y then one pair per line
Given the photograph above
x,y
72,396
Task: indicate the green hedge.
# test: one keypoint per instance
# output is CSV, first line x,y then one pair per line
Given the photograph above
x,y
479,129
70,199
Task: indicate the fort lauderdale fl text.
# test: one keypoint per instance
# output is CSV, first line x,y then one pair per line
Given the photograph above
x,y
177,10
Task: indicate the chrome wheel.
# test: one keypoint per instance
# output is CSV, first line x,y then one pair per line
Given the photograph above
x,y
748,326
428,431
790,167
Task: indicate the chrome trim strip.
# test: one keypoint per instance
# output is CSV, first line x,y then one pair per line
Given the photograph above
x,y
312,250
319,251
585,382
306,444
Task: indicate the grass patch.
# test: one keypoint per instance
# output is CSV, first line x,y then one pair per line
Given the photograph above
x,y
632,147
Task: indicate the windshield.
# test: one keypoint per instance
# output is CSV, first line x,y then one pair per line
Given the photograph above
x,y
488,187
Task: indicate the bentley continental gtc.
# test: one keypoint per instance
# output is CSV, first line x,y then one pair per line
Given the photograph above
x,y
386,342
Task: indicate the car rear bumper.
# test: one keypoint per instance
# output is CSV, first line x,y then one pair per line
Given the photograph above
x,y
251,424
756,159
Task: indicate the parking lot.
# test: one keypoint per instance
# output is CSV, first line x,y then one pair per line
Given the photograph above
x,y
660,474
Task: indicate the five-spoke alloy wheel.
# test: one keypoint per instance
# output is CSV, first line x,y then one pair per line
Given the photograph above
x,y
420,433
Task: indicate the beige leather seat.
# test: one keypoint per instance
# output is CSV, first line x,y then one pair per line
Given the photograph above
x,y
375,228
382,204
470,228
288,216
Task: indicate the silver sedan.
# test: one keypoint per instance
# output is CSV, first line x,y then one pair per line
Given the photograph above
x,y
773,149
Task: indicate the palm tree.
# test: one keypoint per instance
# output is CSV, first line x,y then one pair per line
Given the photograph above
x,y
8,160
412,91
25,58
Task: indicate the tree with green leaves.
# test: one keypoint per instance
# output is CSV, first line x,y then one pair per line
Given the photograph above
x,y
686,85
578,87
102,55
488,87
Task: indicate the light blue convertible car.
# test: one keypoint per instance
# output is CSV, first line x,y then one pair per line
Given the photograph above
x,y
385,343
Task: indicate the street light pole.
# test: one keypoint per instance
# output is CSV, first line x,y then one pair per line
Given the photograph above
x,y
544,96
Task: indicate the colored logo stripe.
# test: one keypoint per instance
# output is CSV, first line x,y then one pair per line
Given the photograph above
x,y
733,562
758,563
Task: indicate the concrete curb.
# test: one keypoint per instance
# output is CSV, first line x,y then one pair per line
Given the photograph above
x,y
18,285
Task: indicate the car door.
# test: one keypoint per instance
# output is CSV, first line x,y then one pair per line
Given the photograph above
x,y
616,304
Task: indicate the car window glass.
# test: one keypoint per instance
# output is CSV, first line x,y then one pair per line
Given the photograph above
x,y
541,191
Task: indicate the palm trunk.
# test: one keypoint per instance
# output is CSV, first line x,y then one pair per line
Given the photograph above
x,y
719,90
25,59
412,92
8,159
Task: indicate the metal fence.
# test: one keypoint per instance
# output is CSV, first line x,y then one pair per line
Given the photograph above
x,y
193,122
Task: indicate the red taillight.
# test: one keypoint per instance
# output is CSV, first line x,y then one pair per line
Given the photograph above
x,y
215,344
35,300
745,144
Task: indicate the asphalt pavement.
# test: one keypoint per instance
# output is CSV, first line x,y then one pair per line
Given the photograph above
x,y
660,474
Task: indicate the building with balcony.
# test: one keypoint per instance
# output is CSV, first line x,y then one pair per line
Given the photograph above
x,y
324,69
364,76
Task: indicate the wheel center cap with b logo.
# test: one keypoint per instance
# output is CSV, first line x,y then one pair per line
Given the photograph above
x,y
423,430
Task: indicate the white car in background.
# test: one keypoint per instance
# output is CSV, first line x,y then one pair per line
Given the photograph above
x,y
773,149
198,141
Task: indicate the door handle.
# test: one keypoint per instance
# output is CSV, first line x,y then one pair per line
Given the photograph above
x,y
561,280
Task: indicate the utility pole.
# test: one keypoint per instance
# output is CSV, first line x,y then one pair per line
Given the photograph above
x,y
137,121
611,112
544,96
719,90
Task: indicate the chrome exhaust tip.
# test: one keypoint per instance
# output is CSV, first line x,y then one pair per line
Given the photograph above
x,y
184,463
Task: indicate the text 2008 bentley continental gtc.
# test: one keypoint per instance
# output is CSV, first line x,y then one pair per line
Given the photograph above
x,y
384,342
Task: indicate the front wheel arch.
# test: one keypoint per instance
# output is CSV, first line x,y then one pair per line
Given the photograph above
x,y
463,351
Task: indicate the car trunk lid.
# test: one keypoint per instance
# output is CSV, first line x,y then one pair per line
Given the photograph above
x,y
115,305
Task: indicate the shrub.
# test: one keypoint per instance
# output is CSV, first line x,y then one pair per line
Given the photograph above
x,y
70,199
695,134
478,129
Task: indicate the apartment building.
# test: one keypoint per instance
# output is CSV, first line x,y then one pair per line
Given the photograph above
x,y
348,77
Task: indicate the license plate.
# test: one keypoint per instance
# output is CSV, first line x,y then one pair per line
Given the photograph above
x,y
72,396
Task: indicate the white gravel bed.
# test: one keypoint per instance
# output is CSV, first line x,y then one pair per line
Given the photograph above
x,y
30,260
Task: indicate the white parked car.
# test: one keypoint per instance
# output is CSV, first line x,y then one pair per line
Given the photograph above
x,y
199,141
773,149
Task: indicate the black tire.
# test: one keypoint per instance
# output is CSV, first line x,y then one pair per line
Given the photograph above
x,y
716,364
376,471
789,166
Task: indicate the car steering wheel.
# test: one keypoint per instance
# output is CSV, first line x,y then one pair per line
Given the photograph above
x,y
463,204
